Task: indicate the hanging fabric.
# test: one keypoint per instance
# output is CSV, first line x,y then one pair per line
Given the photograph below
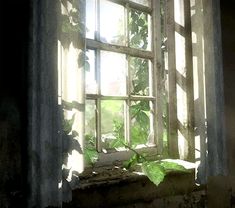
x,y
55,100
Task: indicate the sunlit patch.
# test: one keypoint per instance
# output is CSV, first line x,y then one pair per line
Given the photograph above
x,y
180,54
179,12
60,185
75,163
195,78
182,146
185,164
181,105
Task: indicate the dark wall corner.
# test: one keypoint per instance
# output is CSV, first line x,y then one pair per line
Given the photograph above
x,y
228,47
14,19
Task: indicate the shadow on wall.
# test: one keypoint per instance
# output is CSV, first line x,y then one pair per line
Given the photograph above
x,y
10,154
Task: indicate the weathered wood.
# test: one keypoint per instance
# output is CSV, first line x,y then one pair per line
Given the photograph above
x,y
133,5
131,97
189,82
92,44
98,103
172,114
157,74
216,157
199,89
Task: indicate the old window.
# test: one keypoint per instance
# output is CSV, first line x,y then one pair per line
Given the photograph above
x,y
47,142
123,40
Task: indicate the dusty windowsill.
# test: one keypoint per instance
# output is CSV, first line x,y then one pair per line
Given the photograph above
x,y
114,187
108,175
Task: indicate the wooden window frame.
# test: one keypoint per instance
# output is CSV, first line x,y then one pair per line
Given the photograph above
x,y
155,59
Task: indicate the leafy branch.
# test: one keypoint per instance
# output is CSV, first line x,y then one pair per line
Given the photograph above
x,y
154,170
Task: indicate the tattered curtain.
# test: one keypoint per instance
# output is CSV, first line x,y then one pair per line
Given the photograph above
x,y
55,100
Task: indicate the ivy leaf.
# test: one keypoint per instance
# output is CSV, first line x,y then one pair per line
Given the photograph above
x,y
141,22
67,124
142,119
154,171
134,28
172,166
135,40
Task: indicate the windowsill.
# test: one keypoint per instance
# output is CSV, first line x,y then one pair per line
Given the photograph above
x,y
113,186
107,175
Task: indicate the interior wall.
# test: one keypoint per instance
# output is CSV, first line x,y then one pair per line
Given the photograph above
x,y
13,38
228,44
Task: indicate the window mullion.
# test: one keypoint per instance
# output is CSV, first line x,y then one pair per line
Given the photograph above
x,y
127,105
127,102
157,73
172,99
95,44
98,78
98,103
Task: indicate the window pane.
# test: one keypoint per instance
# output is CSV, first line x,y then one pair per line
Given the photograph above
x,y
139,34
90,18
90,124
113,73
91,84
112,123
140,122
143,2
112,23
139,70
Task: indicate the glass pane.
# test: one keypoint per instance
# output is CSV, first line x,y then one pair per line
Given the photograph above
x,y
90,18
143,2
90,124
91,84
112,123
112,23
139,70
140,122
139,34
113,73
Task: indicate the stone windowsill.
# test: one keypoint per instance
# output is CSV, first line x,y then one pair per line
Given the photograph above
x,y
113,186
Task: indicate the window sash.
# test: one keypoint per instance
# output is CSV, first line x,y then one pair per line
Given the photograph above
x,y
151,55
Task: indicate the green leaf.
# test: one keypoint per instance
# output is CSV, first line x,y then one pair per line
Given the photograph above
x,y
90,155
67,124
134,28
172,166
154,171
131,162
141,22
143,119
117,143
